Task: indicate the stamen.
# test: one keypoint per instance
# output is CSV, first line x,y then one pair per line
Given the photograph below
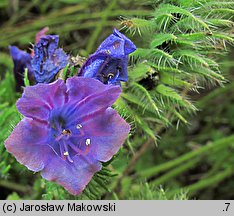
x,y
79,126
66,132
79,151
66,153
110,76
61,147
59,137
88,142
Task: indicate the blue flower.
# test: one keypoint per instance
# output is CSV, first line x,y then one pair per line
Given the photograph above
x,y
53,62
68,130
109,63
21,60
48,60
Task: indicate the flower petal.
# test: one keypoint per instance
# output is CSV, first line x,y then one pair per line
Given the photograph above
x,y
91,67
80,88
72,176
92,97
28,144
107,132
37,101
113,46
117,45
129,46
110,61
21,61
48,60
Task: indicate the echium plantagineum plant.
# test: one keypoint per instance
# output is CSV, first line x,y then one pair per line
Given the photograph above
x,y
69,127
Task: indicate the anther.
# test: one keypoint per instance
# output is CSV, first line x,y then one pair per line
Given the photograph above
x,y
88,142
66,153
66,132
110,76
79,126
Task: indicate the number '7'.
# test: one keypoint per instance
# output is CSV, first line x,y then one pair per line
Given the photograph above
x,y
228,204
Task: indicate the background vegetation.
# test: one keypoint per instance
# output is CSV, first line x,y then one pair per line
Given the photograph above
x,y
179,98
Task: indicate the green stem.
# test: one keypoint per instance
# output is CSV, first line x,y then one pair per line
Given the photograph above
x,y
14,186
15,32
174,172
222,143
206,182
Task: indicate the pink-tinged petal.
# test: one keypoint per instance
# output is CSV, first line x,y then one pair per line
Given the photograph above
x,y
96,102
41,33
72,176
92,97
107,132
80,88
27,143
37,101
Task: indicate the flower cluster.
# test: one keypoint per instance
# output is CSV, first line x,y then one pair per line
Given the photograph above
x,y
69,128
109,63
22,60
44,62
48,60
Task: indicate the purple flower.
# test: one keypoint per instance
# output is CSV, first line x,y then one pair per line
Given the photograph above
x,y
68,130
48,60
21,60
109,63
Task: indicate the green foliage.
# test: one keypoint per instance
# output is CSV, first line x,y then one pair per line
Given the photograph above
x,y
182,51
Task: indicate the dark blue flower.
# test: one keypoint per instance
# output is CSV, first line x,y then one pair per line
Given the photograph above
x,y
68,130
21,60
48,60
109,63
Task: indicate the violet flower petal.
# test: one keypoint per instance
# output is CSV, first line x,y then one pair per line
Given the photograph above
x,y
28,144
78,89
107,132
98,98
73,177
37,101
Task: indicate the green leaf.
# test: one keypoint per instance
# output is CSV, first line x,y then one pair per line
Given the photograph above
x,y
150,100
190,57
162,38
140,71
172,9
171,93
172,80
13,196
